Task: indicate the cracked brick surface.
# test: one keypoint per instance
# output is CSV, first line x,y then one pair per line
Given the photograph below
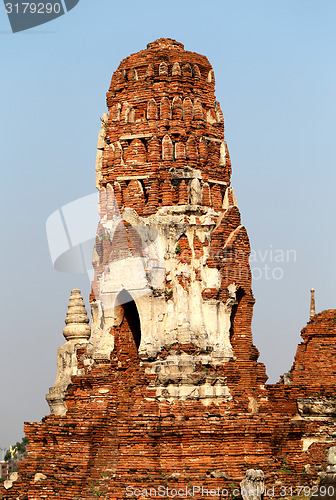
x,y
129,422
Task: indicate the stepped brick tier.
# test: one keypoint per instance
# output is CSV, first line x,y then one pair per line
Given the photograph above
x,y
165,390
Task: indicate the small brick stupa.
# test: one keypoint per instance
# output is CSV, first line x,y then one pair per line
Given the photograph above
x,y
166,390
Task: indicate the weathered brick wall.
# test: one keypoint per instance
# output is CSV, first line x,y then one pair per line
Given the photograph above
x,y
186,412
113,437
313,368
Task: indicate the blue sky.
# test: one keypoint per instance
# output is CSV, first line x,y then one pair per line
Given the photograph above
x,y
275,71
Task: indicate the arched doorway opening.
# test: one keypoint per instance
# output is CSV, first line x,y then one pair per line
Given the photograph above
x,y
234,322
130,326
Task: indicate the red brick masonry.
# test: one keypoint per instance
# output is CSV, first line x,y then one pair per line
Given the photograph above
x,y
116,433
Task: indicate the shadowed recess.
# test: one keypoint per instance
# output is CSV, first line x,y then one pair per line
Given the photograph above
x,y
131,315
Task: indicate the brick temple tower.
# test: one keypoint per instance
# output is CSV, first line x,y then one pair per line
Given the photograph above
x,y
170,245
165,389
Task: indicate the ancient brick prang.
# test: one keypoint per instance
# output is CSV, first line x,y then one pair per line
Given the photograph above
x,y
170,232
166,390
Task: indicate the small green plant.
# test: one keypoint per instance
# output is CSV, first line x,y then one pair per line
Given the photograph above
x,y
284,467
178,249
164,476
285,470
233,487
97,492
205,369
168,293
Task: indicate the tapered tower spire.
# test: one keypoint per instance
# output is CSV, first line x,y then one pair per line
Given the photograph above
x,y
312,303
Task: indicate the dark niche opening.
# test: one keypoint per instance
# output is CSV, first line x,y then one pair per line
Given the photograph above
x,y
131,315
239,295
